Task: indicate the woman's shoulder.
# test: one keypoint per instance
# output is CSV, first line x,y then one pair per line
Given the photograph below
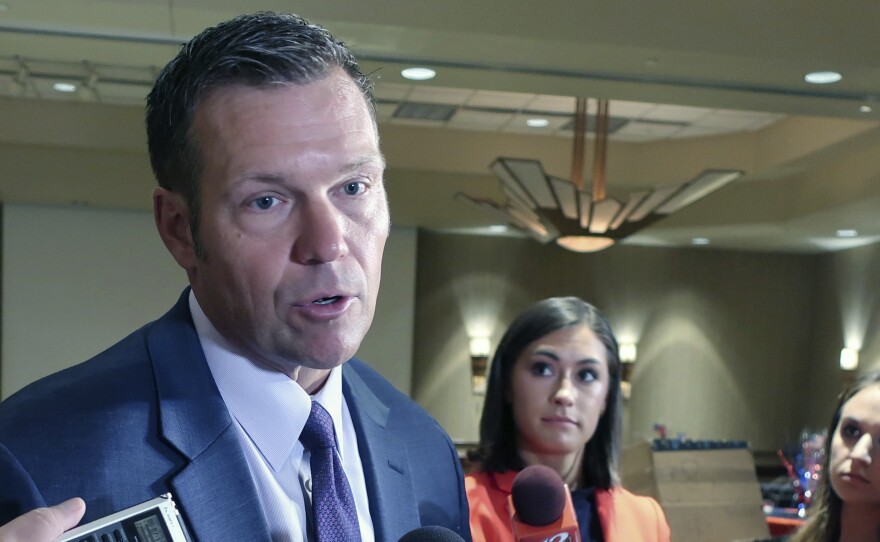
x,y
631,513
622,494
493,481
624,497
476,478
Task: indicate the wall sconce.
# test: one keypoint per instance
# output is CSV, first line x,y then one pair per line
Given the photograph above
x,y
479,349
627,354
849,359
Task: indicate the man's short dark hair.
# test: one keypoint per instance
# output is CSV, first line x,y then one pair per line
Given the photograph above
x,y
256,50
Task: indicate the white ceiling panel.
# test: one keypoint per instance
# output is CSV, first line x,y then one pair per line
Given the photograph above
x,y
675,113
506,100
422,123
473,119
700,131
385,111
391,91
736,120
630,110
439,95
646,129
552,104
518,124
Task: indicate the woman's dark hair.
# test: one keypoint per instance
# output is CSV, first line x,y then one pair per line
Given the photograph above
x,y
824,522
497,451
259,50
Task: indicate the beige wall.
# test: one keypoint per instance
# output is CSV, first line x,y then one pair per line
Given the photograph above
x,y
847,313
724,338
75,281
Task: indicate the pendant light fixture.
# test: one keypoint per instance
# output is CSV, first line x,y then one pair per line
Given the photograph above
x,y
561,210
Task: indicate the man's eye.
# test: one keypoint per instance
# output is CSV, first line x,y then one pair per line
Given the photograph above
x,y
353,188
265,202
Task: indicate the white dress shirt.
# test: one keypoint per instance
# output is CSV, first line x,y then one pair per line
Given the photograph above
x,y
270,411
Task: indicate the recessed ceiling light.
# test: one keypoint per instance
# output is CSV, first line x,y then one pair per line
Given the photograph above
x,y
64,87
847,233
822,78
866,109
418,74
498,228
700,241
537,123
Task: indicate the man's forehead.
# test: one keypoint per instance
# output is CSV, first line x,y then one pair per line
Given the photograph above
x,y
330,93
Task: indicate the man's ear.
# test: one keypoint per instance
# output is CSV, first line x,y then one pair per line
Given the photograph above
x,y
172,221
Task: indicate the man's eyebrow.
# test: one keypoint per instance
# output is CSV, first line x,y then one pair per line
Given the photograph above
x,y
269,177
263,177
376,160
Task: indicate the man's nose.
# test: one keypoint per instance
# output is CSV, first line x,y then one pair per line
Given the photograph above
x,y
320,235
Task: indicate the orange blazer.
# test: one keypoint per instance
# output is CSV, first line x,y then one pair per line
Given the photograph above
x,y
624,517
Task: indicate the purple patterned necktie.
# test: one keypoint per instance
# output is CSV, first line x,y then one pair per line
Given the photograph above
x,y
332,504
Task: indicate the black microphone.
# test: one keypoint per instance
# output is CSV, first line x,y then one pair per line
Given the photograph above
x,y
433,533
540,507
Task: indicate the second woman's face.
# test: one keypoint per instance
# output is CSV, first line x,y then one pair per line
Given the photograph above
x,y
855,449
558,391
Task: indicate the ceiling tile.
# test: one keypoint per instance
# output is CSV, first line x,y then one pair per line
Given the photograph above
x,y
43,87
518,124
675,113
391,91
419,122
768,120
121,93
701,131
649,129
128,74
489,120
554,104
8,64
631,110
384,111
439,95
736,120
633,137
501,100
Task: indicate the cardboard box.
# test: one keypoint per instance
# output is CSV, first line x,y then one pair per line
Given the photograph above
x,y
708,495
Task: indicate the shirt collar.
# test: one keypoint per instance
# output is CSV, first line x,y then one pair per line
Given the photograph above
x,y
270,407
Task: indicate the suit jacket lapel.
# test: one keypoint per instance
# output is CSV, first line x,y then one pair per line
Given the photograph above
x,y
214,491
383,454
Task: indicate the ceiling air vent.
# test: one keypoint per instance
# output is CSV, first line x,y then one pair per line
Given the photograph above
x,y
422,111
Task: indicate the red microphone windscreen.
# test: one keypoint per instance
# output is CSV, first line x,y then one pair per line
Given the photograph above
x,y
538,494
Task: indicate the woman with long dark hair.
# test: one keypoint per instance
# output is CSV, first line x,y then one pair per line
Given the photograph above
x,y
847,504
553,399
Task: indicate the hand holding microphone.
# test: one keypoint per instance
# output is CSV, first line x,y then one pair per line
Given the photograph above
x,y
540,507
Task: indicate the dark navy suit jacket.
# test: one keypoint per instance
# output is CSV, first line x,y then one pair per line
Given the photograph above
x,y
145,418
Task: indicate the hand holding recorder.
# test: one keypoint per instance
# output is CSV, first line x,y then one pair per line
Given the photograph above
x,y
44,524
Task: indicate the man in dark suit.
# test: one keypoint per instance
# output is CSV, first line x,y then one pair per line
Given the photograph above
x,y
264,142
